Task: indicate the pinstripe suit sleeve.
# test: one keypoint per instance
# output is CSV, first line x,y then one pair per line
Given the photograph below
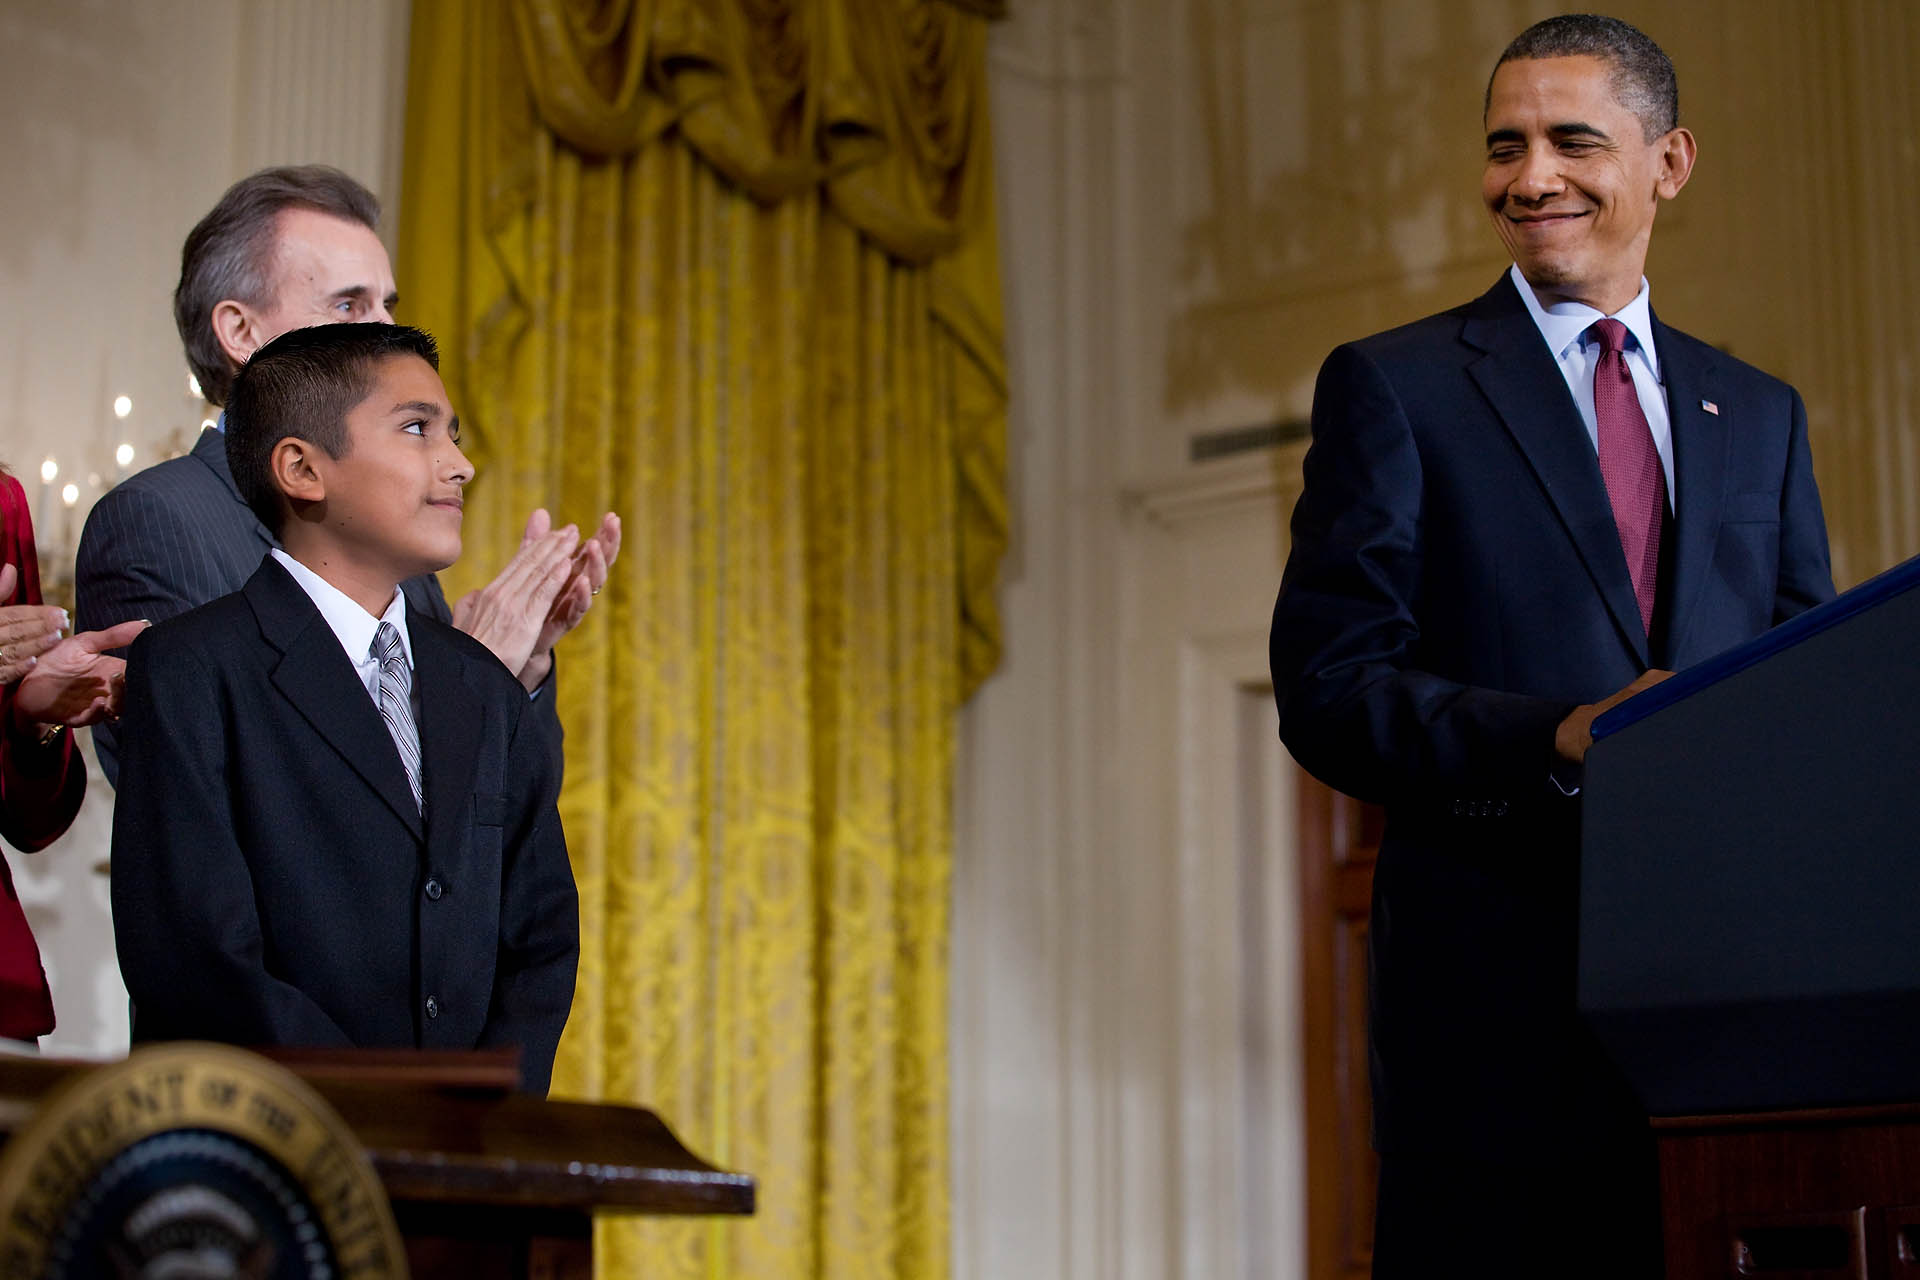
x,y
153,549
139,559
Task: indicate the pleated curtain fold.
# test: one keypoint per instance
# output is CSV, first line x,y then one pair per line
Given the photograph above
x,y
728,267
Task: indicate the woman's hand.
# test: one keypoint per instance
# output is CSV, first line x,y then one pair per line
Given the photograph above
x,y
26,630
75,682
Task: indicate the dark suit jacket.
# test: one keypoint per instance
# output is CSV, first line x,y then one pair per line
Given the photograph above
x,y
273,882
173,536
1455,588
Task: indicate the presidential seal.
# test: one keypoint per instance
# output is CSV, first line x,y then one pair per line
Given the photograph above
x,y
192,1162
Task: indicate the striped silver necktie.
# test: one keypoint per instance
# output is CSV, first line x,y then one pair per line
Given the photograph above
x,y
396,703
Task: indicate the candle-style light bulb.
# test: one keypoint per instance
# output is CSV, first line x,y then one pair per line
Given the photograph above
x,y
70,494
49,471
193,388
123,455
122,406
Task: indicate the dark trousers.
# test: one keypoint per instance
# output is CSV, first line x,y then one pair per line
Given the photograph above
x,y
1596,1215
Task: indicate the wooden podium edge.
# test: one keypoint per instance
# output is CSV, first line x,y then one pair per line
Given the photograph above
x,y
442,1128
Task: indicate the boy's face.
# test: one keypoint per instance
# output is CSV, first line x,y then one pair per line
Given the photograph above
x,y
393,501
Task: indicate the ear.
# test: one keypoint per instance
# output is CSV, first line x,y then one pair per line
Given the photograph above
x,y
239,330
1677,151
297,471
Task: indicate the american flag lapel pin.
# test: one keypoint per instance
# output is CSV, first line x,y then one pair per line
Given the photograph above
x,y
1710,407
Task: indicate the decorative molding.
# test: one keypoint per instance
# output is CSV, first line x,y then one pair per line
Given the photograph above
x,y
1213,490
1050,1044
1242,1148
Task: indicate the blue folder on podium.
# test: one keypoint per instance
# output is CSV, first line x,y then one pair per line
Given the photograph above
x,y
1750,868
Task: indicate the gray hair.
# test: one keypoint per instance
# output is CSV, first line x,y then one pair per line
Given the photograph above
x,y
229,254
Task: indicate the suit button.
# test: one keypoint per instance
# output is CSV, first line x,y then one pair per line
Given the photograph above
x,y
434,890
433,1007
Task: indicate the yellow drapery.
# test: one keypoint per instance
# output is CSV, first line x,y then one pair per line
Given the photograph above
x,y
728,267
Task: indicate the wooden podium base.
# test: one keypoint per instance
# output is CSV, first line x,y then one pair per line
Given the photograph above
x,y
484,1183
1792,1195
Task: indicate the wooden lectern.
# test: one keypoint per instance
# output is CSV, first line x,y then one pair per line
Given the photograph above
x,y
1750,939
484,1182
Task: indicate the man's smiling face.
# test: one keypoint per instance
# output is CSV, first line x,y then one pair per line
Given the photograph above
x,y
1572,181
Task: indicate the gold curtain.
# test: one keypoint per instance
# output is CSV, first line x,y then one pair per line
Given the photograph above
x,y
728,268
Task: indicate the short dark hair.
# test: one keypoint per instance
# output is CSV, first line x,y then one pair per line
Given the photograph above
x,y
304,384
1642,74
229,253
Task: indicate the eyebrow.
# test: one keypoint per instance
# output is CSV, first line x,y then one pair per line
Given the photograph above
x,y
363,291
1571,129
424,407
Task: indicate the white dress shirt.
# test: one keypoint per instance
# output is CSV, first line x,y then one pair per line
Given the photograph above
x,y
352,625
1564,326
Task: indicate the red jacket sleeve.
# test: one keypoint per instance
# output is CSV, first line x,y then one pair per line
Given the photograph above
x,y
40,787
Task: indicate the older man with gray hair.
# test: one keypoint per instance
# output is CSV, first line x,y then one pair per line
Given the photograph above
x,y
285,248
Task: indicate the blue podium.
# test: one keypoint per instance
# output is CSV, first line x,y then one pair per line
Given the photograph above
x,y
1750,938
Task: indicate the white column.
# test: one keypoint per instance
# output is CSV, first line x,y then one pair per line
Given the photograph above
x,y
324,82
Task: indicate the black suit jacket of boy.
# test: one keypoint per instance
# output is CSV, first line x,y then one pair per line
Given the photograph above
x,y
273,882
173,536
179,534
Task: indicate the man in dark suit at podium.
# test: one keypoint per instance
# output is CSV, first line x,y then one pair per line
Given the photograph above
x,y
1515,514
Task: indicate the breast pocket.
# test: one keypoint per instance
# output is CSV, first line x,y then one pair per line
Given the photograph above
x,y
486,843
1746,564
489,811
1762,507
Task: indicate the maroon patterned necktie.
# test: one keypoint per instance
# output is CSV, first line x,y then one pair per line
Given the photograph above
x,y
1630,465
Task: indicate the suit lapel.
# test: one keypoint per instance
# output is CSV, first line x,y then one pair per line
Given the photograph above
x,y
1701,440
450,726
315,675
211,450
1519,377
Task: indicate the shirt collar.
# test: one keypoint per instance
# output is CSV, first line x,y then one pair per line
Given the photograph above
x,y
354,626
1565,323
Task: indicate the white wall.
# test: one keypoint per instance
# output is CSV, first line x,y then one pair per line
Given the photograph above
x,y
1126,1041
123,122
